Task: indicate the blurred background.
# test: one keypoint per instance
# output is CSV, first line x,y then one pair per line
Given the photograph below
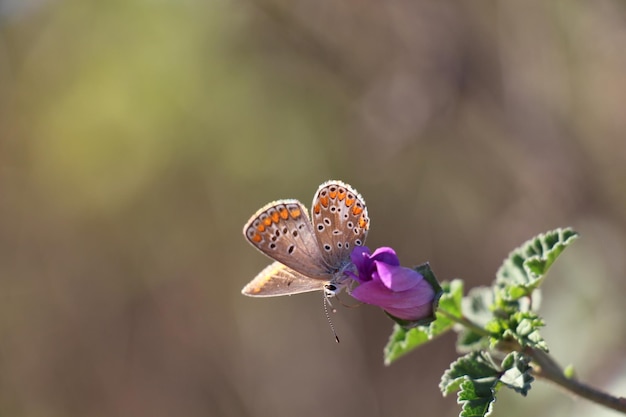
x,y
138,136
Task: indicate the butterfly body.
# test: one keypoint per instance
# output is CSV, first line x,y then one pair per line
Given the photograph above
x,y
310,254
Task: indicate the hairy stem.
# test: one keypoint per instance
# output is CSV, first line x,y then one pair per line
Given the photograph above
x,y
549,370
464,322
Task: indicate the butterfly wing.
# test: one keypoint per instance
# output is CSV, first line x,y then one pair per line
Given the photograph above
x,y
282,230
277,279
340,221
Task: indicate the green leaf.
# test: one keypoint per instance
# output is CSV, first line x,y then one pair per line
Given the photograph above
x,y
524,269
517,372
478,378
452,297
449,303
478,305
403,340
520,326
477,397
475,366
468,341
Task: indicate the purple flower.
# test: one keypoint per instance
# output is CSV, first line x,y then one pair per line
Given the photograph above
x,y
402,292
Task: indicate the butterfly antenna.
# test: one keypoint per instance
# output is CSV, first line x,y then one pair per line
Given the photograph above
x,y
332,327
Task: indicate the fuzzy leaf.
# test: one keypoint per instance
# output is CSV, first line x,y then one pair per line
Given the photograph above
x,y
478,305
477,397
402,341
452,297
469,341
478,379
473,366
524,269
522,327
517,372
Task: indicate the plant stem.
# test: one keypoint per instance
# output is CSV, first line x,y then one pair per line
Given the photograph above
x,y
549,370
464,322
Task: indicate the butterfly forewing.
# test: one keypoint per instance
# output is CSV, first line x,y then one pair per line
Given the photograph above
x,y
340,221
283,231
277,280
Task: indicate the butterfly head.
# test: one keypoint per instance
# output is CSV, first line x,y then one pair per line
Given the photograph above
x,y
331,290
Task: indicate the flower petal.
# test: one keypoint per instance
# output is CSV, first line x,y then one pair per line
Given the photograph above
x,y
386,255
397,278
402,292
412,313
360,257
375,292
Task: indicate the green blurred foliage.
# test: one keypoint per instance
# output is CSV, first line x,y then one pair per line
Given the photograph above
x,y
137,137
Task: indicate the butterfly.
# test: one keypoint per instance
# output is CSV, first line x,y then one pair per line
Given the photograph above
x,y
310,254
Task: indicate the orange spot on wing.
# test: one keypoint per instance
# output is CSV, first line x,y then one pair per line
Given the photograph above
x,y
284,213
356,210
317,209
267,221
349,202
256,238
275,217
295,213
363,222
324,201
332,194
256,290
261,227
341,195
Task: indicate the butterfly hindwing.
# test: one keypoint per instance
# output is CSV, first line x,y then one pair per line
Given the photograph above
x,y
277,279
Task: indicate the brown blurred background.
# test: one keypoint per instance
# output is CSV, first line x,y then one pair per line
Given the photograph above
x,y
137,137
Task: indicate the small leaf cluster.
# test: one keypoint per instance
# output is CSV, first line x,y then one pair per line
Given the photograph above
x,y
497,326
477,377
